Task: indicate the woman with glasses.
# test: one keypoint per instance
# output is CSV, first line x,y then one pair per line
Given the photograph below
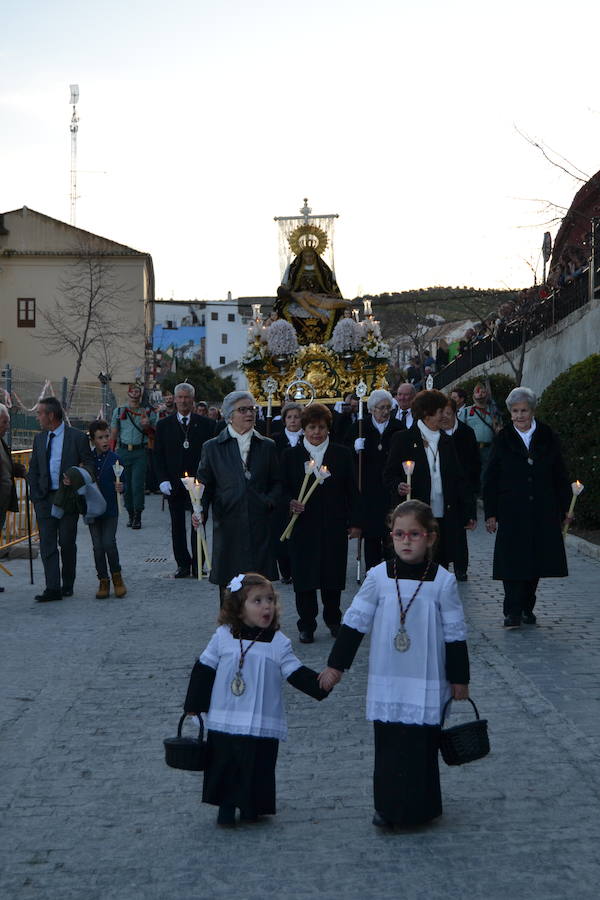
x,y
319,541
438,478
240,472
372,453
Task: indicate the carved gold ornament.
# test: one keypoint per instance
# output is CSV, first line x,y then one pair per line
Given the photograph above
x,y
308,236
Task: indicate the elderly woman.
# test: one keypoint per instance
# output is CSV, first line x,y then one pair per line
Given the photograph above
x,y
240,470
526,495
372,449
288,437
438,478
319,541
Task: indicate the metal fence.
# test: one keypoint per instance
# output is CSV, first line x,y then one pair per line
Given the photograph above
x,y
561,303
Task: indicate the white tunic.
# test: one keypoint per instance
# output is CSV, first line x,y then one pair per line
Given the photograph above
x,y
408,687
259,711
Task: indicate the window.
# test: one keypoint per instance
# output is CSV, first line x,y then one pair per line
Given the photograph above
x,y
221,360
26,312
223,338
231,317
214,317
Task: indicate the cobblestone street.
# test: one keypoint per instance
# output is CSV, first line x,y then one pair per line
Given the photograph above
x,y
91,687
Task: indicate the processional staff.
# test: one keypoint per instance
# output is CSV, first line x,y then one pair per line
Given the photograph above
x,y
269,386
361,390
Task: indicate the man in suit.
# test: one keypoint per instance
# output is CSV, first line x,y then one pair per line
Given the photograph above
x,y
8,472
405,394
177,449
467,451
55,449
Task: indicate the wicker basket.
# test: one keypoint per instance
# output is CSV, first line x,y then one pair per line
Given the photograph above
x,y
464,743
186,752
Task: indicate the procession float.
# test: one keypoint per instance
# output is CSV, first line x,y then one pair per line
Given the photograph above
x,y
314,345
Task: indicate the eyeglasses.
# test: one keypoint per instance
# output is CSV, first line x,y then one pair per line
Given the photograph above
x,y
385,408
411,535
245,409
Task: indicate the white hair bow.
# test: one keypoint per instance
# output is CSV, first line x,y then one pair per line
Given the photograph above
x,y
236,583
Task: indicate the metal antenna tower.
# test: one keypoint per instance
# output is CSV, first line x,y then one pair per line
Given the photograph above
x,y
74,130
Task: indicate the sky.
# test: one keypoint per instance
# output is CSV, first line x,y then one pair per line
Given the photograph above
x,y
201,121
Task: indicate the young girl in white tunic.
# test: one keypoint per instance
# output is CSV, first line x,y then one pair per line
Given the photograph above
x,y
418,660
237,680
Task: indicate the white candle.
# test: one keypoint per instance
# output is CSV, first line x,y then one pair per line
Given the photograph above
x,y
408,465
576,489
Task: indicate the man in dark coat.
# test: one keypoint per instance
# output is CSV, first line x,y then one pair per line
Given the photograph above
x,y
240,471
8,472
526,495
177,448
459,501
467,451
55,449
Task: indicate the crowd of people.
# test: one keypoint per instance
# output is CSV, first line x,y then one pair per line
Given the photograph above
x,y
403,478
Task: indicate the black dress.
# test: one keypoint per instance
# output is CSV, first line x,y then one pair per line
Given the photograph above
x,y
406,777
240,769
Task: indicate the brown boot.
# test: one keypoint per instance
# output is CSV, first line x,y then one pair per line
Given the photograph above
x,y
120,589
103,589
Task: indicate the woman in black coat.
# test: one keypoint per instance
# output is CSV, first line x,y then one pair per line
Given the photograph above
x,y
372,451
288,437
438,478
319,541
526,495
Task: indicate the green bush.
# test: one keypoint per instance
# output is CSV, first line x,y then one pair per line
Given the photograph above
x,y
501,386
571,406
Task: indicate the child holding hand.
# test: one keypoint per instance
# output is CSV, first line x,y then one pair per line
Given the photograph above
x,y
237,680
418,660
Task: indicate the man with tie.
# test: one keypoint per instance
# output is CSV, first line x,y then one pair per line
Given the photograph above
x,y
405,394
55,449
177,450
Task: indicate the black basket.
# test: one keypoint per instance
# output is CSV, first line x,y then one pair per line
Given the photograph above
x,y
186,752
464,743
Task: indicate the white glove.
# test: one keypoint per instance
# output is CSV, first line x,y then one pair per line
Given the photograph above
x,y
359,444
165,488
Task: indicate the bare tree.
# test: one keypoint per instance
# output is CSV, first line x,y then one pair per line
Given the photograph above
x,y
87,318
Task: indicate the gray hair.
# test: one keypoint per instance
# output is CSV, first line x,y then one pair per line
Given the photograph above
x,y
376,397
186,387
3,409
231,399
288,406
407,384
521,395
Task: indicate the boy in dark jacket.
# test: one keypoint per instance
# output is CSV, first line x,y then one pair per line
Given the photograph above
x,y
103,530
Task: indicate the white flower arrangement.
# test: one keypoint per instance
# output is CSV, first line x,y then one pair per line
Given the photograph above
x,y
281,338
255,352
346,336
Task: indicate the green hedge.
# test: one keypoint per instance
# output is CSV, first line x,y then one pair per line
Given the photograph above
x,y
501,386
571,406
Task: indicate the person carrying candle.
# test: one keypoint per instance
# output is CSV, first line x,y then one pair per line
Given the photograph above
x,y
526,496
438,478
418,659
319,541
237,681
103,530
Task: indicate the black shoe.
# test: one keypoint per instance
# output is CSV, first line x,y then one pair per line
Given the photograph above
x,y
67,592
306,637
512,621
226,817
335,631
461,576
528,618
130,523
380,822
137,521
47,596
1,590
182,573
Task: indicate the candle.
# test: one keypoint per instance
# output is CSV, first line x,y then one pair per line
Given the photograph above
x,y
118,469
320,476
195,489
408,465
576,488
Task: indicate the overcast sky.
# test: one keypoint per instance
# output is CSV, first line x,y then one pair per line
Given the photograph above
x,y
201,121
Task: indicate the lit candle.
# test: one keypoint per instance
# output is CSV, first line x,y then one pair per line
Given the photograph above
x,y
195,489
576,488
408,465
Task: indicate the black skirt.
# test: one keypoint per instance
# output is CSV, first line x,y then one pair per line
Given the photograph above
x,y
406,779
240,772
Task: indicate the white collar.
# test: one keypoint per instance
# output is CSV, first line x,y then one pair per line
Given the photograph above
x,y
432,437
293,436
451,431
380,426
180,417
317,453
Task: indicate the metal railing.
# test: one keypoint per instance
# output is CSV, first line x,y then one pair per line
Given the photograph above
x,y
16,525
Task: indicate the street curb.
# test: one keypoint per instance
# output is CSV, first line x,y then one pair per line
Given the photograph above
x,y
585,548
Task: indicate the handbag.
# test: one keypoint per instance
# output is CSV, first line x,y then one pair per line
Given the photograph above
x,y
186,752
464,743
